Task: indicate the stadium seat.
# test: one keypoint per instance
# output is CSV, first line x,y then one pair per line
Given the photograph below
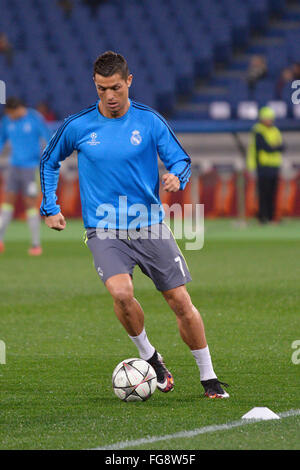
x,y
220,110
247,110
280,108
259,14
170,45
238,15
277,59
296,111
263,92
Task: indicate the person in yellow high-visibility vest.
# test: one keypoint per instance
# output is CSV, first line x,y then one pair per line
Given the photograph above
x,y
265,157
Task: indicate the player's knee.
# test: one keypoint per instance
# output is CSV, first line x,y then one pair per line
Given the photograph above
x,y
120,288
122,294
184,309
180,303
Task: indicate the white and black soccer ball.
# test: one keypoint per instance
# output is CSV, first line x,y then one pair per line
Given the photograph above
x,y
134,380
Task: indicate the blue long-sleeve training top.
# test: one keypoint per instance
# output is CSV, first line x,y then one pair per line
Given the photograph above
x,y
24,136
117,157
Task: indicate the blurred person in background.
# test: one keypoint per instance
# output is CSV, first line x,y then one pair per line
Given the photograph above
x,y
23,128
6,49
44,109
296,71
286,76
257,70
265,158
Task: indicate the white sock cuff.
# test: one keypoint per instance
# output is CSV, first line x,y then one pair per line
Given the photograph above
x,y
146,350
5,207
204,363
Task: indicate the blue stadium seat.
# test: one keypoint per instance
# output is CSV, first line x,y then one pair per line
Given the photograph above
x,y
264,91
292,40
277,60
238,90
168,45
259,14
238,15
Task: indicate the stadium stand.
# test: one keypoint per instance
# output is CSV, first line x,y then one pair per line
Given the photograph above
x,y
196,50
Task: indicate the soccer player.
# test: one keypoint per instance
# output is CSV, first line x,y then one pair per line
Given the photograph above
x,y
23,128
117,141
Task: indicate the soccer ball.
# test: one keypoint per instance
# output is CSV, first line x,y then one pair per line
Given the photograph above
x,y
134,380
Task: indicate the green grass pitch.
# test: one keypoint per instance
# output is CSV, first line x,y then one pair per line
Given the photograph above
x,y
63,342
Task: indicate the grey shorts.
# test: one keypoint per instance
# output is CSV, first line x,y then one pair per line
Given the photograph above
x,y
153,249
21,180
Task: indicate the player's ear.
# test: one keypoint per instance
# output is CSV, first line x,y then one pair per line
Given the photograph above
x,y
129,80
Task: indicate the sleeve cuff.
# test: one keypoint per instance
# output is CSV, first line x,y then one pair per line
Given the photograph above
x,y
48,213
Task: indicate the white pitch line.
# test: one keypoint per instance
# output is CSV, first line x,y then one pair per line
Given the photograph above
x,y
192,433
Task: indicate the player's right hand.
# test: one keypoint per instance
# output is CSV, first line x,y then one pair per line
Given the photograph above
x,y
56,222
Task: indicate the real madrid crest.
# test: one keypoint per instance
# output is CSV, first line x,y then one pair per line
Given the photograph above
x,y
136,138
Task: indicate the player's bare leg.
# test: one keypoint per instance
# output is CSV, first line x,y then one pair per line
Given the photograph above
x,y
188,318
6,214
192,331
10,198
34,222
131,315
126,307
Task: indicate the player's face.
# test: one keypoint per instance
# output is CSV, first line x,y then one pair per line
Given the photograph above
x,y
113,93
16,113
268,122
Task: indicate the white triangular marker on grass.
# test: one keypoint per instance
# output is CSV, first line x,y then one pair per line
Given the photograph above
x,y
260,412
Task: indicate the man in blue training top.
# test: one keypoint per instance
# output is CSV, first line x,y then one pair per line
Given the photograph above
x,y
117,141
23,128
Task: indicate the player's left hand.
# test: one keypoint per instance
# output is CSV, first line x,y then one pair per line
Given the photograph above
x,y
170,182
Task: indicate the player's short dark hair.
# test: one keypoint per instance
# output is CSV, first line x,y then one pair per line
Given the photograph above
x,y
13,102
109,63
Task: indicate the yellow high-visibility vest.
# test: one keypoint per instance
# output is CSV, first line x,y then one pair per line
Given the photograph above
x,y
273,137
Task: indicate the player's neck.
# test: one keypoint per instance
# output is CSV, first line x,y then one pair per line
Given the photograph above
x,y
113,115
